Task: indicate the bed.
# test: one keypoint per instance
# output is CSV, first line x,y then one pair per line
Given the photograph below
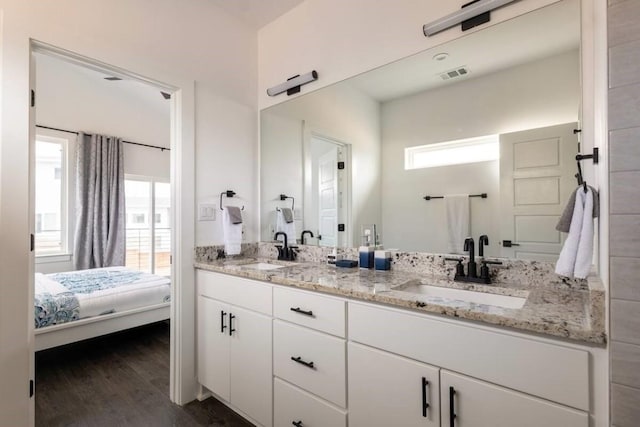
x,y
76,305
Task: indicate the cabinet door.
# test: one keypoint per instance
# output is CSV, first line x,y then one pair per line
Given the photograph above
x,y
479,404
251,367
389,390
213,346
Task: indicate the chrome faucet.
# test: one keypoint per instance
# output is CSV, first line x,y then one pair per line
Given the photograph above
x,y
285,252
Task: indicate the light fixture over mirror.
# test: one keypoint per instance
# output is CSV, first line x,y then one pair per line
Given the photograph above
x,y
469,11
518,83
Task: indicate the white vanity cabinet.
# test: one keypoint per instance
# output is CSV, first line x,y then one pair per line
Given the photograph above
x,y
507,381
309,359
234,330
389,390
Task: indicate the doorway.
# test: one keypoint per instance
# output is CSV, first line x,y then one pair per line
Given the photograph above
x,y
175,144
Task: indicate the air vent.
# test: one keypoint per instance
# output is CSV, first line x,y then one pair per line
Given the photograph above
x,y
455,73
113,79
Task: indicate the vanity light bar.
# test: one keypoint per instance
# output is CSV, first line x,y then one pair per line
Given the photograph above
x,y
464,14
292,85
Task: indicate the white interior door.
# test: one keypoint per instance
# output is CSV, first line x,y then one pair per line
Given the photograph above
x,y
328,197
537,169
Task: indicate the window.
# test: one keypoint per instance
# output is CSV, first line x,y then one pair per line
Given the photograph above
x,y
148,243
471,150
51,177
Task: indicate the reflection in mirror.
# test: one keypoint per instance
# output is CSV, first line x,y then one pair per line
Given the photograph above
x,y
489,113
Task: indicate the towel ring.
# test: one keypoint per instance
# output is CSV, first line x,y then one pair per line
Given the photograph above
x,y
285,197
228,193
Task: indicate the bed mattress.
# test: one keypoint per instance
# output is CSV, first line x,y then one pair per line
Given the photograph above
x,y
74,295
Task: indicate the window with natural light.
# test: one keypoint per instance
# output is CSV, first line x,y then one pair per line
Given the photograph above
x,y
51,195
148,242
470,150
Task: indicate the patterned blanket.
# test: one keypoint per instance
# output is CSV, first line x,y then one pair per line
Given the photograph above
x,y
56,299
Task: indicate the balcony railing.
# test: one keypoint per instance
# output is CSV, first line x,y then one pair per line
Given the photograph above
x,y
139,256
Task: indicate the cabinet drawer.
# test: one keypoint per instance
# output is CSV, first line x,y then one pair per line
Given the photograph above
x,y
320,368
553,372
311,310
238,291
292,404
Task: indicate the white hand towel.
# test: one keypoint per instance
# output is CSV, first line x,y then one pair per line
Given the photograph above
x,y
232,234
576,255
457,206
288,228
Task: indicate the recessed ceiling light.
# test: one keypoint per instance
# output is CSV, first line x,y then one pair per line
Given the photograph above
x,y
440,56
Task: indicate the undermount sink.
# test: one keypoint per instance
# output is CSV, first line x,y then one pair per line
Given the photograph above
x,y
263,266
506,301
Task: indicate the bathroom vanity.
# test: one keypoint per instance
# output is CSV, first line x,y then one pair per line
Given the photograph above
x,y
309,344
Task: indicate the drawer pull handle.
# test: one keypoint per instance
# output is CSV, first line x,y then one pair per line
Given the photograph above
x,y
231,328
452,409
301,311
302,362
425,404
222,325
297,423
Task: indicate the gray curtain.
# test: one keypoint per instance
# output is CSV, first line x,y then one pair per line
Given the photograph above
x,y
100,212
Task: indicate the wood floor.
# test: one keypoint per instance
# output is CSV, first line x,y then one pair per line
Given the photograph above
x,y
118,380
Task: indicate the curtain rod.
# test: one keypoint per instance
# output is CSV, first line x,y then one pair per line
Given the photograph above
x,y
126,142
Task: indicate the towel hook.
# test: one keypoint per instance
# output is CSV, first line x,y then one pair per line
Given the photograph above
x,y
228,193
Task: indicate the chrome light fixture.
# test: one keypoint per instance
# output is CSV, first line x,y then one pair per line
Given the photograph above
x,y
471,11
293,84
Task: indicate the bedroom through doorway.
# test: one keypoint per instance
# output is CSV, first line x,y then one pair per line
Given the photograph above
x,y
101,171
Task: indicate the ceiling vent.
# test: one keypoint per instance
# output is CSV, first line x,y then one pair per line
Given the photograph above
x,y
455,73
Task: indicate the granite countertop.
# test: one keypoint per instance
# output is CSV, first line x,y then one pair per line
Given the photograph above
x,y
574,314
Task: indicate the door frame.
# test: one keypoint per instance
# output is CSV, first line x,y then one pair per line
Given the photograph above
x,y
308,134
183,385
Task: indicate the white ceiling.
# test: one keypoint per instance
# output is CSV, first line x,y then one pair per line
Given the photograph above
x,y
257,13
536,35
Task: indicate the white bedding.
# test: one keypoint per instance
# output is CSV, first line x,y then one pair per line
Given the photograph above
x,y
62,297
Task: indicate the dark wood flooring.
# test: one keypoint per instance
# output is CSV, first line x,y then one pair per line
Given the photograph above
x,y
120,379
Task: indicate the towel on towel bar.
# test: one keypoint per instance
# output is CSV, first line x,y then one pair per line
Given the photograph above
x,y
235,214
457,206
576,255
289,228
287,213
232,232
565,219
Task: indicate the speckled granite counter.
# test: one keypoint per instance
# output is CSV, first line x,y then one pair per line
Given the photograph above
x,y
575,314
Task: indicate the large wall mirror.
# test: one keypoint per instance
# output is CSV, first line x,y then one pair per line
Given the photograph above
x,y
491,113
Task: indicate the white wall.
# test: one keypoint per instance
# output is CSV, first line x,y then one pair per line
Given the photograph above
x,y
177,43
533,95
342,113
341,39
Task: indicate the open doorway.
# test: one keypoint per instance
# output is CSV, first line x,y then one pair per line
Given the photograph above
x,y
79,305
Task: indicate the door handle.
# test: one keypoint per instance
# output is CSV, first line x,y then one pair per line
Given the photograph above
x,y
452,409
425,404
222,325
297,423
509,243
231,329
302,362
